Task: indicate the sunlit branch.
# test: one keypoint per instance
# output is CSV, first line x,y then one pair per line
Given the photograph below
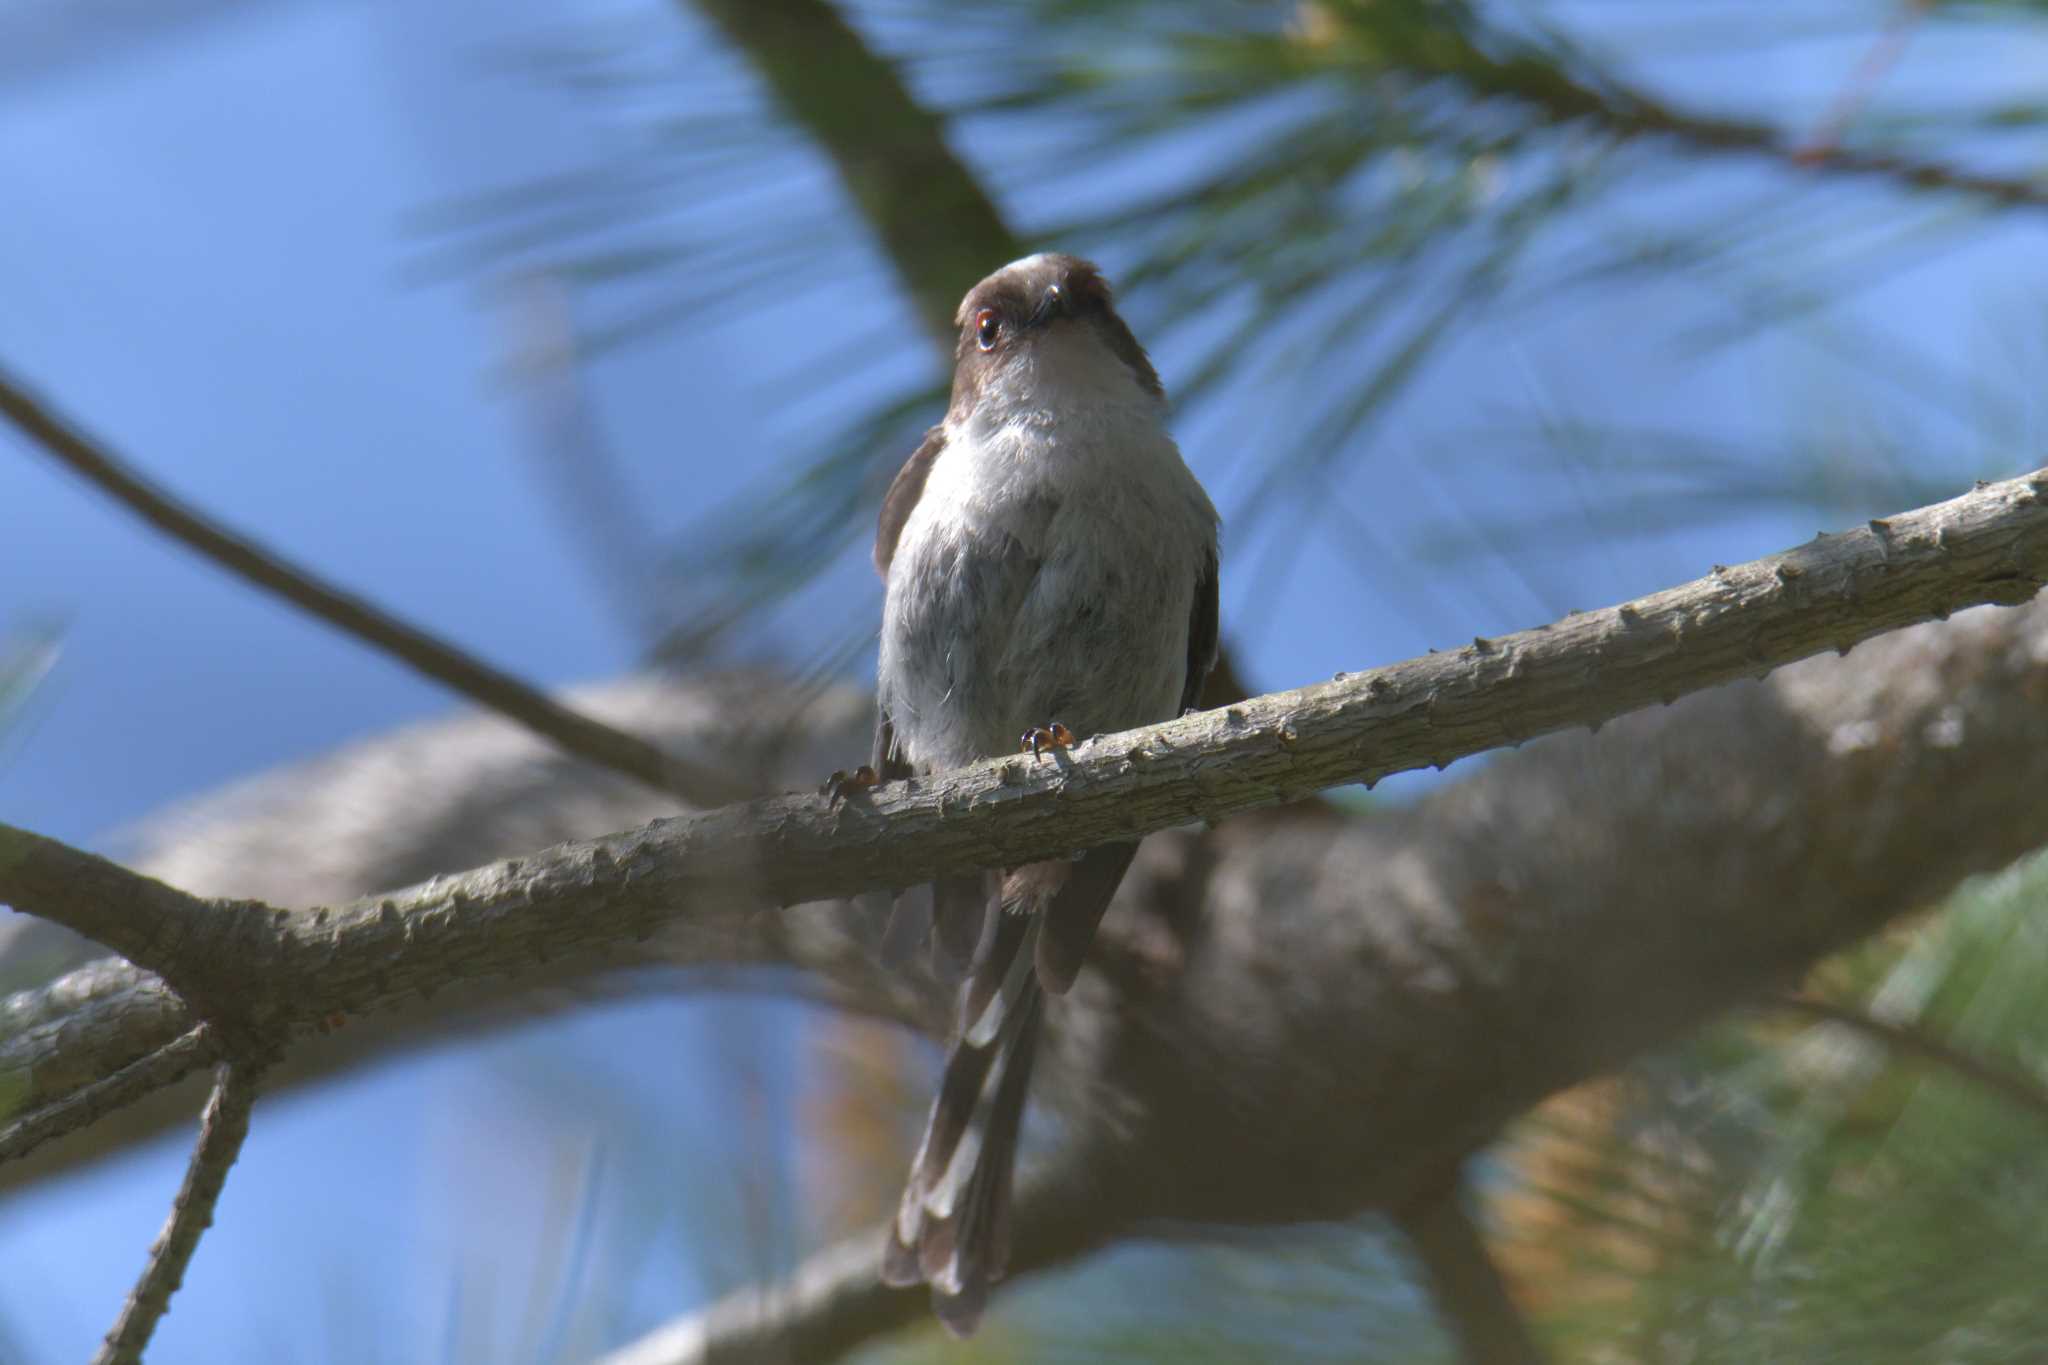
x,y
719,873
835,1301
88,1104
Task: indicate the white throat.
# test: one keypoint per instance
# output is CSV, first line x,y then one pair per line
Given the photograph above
x,y
1068,375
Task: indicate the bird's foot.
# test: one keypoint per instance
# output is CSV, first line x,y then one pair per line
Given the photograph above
x,y
1042,737
843,784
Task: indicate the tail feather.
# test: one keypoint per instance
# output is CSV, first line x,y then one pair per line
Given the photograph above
x,y
953,1110
990,993
952,1228
980,1250
999,1152
1075,912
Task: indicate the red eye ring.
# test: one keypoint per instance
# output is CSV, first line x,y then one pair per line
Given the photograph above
x,y
988,328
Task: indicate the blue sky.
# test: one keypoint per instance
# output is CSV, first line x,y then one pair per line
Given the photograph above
x,y
204,259
203,262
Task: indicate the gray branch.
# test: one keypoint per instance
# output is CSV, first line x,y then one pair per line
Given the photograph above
x,y
836,1301
720,871
1301,1020
1298,1015
1465,1282
87,1105
394,809
221,1130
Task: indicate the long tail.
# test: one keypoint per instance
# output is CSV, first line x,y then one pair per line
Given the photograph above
x,y
953,1226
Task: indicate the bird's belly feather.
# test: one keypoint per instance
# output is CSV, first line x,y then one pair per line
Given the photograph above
x,y
1063,607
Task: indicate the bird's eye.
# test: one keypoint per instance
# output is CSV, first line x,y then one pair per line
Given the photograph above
x,y
988,328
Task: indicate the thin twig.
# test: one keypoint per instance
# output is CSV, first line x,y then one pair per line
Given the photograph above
x,y
2008,1084
1884,54
832,1302
88,1104
221,1130
1550,87
835,1302
487,686
1465,1284
1733,135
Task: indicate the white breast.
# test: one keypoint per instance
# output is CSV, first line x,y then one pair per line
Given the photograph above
x,y
1048,570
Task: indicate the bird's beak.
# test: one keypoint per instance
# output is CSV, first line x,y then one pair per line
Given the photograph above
x,y
1050,305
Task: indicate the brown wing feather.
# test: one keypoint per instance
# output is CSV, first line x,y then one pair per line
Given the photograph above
x,y
904,491
1202,630
1074,913
910,918
890,764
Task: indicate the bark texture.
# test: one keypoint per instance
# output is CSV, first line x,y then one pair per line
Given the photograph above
x,y
1300,1019
1300,1014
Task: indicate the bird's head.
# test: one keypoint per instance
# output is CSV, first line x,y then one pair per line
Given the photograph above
x,y
1042,331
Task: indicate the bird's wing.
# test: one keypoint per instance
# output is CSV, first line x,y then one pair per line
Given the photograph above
x,y
904,491
1201,634
890,764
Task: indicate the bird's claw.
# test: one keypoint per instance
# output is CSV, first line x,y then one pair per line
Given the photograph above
x,y
1042,737
843,784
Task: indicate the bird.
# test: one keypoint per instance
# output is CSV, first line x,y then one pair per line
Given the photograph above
x,y
1050,573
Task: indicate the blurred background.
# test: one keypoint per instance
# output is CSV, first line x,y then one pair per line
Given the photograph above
x,y
585,334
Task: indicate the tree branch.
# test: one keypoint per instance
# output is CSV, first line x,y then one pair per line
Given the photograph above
x,y
168,1064
836,1301
714,874
1639,115
156,927
1466,1285
929,213
1294,1019
2014,1086
81,1028
832,1302
1547,83
450,792
478,681
221,1130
